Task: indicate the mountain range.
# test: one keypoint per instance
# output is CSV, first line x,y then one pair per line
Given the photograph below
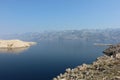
x,y
95,35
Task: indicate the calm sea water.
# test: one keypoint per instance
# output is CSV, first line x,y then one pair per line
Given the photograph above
x,y
46,60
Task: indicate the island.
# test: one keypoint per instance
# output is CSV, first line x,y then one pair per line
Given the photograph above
x,y
12,44
101,44
106,67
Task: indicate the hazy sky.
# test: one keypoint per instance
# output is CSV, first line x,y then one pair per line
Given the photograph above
x,y
39,15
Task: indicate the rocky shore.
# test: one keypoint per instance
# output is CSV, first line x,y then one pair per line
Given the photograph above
x,y
12,44
106,67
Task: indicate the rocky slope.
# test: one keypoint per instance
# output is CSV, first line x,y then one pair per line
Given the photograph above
x,y
10,44
106,67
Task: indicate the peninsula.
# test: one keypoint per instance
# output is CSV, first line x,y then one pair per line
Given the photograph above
x,y
12,44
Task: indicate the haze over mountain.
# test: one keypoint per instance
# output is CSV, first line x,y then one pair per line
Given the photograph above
x,y
95,35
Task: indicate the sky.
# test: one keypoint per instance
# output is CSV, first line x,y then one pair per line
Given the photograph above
x,y
19,16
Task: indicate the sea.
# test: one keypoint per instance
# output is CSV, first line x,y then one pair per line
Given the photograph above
x,y
47,59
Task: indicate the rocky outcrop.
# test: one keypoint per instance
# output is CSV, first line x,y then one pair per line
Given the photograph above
x,y
104,68
113,50
11,44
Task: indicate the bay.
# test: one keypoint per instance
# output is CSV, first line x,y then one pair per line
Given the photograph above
x,y
47,59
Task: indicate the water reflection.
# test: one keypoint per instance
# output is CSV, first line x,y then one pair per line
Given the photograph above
x,y
14,51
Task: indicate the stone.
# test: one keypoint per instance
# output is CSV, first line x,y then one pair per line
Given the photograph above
x,y
83,67
118,55
68,70
54,78
117,77
63,79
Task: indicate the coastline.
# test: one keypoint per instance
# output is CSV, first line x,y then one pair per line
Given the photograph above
x,y
106,67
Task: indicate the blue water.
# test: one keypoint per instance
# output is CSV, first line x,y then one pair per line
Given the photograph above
x,y
46,60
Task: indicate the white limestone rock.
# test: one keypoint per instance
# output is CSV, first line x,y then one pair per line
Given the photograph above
x,y
15,44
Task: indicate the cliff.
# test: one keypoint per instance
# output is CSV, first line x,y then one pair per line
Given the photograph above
x,y
10,44
106,67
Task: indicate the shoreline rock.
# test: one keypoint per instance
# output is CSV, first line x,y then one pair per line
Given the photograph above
x,y
104,68
13,44
113,51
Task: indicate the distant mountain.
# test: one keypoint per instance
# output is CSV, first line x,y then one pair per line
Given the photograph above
x,y
95,35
